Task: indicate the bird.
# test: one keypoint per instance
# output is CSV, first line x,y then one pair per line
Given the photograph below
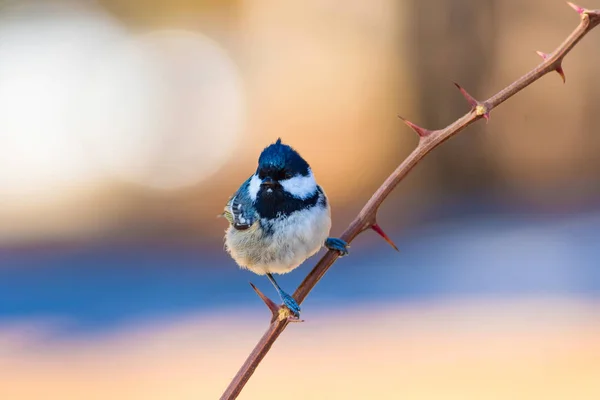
x,y
279,217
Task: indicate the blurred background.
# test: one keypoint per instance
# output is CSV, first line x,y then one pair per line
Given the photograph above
x,y
125,125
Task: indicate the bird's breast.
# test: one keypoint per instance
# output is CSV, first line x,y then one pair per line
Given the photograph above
x,y
280,244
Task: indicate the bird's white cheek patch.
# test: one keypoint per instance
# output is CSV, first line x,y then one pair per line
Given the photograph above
x,y
254,187
300,186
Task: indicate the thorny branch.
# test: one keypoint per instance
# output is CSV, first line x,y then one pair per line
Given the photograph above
x,y
367,218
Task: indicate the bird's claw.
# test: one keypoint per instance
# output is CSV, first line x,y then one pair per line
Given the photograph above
x,y
338,245
290,304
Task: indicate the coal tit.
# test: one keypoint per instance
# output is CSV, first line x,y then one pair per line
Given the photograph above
x,y
279,217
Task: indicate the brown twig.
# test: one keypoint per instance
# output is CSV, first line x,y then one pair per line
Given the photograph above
x,y
367,218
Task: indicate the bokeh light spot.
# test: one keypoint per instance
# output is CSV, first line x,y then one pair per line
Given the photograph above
x,y
165,109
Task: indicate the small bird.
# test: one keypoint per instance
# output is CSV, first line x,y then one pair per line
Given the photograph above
x,y
279,217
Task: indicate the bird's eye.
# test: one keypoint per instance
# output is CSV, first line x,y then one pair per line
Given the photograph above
x,y
287,175
261,174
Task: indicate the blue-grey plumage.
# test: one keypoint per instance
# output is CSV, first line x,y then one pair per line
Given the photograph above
x,y
278,217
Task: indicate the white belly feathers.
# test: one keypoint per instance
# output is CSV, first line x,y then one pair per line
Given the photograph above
x,y
292,240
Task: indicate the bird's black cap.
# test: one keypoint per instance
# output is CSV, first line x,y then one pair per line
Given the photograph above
x,y
281,157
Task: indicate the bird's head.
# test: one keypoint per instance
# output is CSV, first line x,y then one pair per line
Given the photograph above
x,y
282,174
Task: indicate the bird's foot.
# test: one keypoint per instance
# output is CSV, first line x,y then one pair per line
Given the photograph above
x,y
338,245
290,304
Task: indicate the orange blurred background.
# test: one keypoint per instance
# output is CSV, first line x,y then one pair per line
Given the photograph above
x,y
125,125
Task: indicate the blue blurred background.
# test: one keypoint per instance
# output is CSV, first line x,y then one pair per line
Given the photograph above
x,y
126,125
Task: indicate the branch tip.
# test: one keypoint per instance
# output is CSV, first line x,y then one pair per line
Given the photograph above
x,y
422,132
268,302
381,233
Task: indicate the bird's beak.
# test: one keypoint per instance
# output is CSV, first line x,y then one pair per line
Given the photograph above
x,y
268,182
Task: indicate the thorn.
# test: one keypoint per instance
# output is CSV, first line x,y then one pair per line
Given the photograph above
x,y
422,132
470,99
561,72
275,309
480,108
558,69
575,7
381,233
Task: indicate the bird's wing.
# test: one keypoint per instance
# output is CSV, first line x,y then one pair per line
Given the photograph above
x,y
239,210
